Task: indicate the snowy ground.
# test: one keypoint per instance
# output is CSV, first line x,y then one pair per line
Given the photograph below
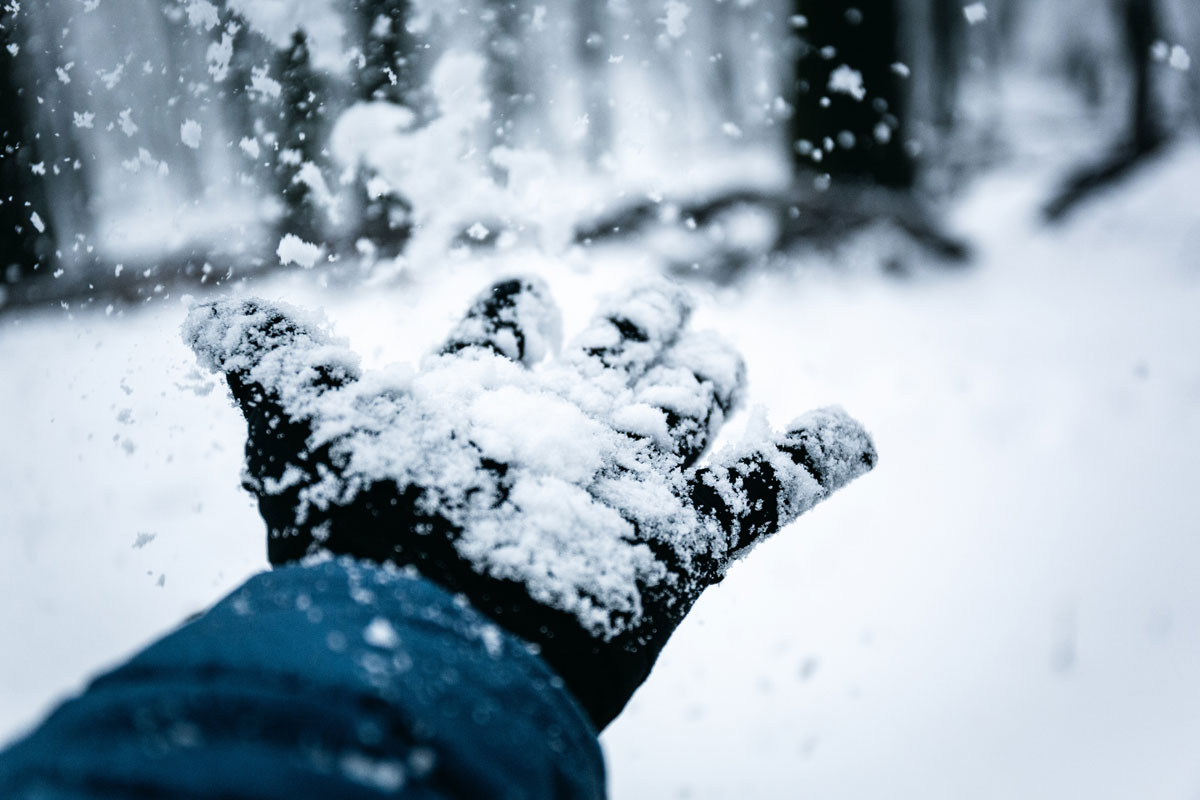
x,y
1007,607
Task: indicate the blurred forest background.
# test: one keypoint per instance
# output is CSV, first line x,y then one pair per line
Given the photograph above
x,y
149,143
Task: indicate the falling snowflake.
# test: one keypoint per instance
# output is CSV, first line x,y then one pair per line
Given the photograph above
x,y
846,80
189,132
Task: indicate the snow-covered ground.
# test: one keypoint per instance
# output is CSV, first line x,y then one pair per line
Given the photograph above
x,y
1007,607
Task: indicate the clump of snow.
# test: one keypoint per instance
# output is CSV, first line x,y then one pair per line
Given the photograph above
x,y
975,13
112,77
145,159
847,80
656,314
699,381
143,539
201,14
1175,56
674,20
125,119
492,638
444,170
438,167
262,84
294,250
820,452
271,344
592,475
362,124
1179,59
220,54
529,197
380,633
189,133
311,176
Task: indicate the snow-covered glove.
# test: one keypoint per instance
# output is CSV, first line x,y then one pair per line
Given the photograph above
x,y
563,500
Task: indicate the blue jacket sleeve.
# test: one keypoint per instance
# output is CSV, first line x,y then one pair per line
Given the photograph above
x,y
339,679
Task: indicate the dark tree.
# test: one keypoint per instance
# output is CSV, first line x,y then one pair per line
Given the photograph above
x,y
171,25
26,241
946,44
850,134
504,29
299,140
44,111
243,112
389,51
591,38
725,32
1145,131
390,72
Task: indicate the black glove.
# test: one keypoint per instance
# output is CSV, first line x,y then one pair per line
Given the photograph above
x,y
562,500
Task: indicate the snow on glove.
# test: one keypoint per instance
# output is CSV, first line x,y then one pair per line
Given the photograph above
x,y
564,500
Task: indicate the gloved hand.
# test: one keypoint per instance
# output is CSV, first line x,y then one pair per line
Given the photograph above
x,y
562,500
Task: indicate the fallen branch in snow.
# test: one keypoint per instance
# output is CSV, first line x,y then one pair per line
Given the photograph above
x,y
1090,179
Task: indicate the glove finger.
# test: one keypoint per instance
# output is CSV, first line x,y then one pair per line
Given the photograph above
x,y
754,493
515,318
697,384
268,352
630,333
277,368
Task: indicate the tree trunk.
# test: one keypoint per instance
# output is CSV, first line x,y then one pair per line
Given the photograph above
x,y
848,96
946,29
503,30
1141,27
299,141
